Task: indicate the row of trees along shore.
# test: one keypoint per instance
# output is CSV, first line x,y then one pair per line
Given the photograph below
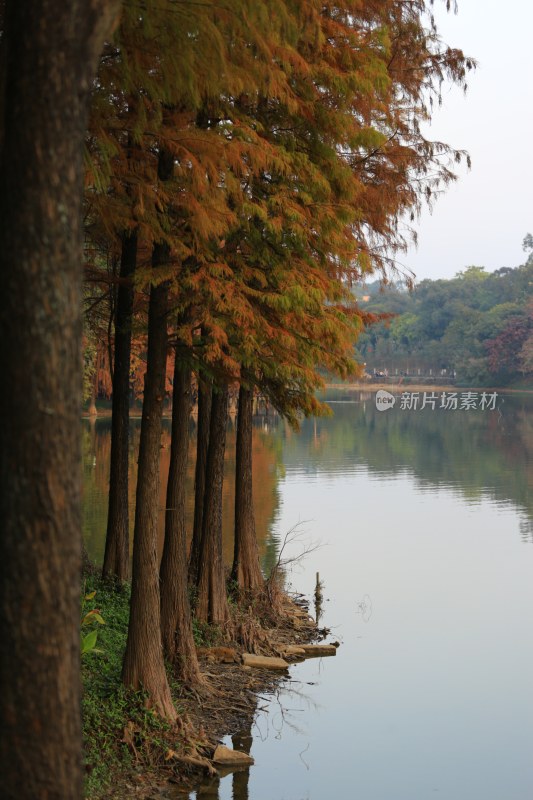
x,y
245,163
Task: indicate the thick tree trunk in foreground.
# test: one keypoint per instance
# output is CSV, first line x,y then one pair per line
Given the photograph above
x,y
116,559
246,571
212,604
176,624
202,443
49,54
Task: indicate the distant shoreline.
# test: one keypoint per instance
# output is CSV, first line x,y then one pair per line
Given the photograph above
x,y
422,387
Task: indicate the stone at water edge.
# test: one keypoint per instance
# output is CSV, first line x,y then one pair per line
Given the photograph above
x,y
231,758
319,650
291,651
266,662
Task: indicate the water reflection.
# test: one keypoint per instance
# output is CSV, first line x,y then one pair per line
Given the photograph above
x,y
266,465
242,741
476,454
479,455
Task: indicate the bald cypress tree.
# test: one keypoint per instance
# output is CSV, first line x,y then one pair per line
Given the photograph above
x,y
143,665
116,557
211,603
176,618
246,571
202,444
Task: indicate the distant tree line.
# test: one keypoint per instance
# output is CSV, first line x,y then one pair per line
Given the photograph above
x,y
478,325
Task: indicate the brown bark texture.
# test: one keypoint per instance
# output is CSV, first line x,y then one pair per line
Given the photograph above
x,y
49,54
143,660
246,570
176,621
143,665
116,557
212,605
202,443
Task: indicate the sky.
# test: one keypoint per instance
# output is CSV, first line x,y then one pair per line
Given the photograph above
x,y
482,219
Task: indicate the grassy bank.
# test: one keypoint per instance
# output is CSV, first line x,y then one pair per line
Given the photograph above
x,y
121,736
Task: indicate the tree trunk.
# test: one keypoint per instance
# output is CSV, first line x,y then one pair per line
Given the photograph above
x,y
116,559
49,54
212,605
202,442
144,666
143,661
93,412
246,571
176,624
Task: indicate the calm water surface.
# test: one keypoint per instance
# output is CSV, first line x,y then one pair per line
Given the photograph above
x,y
424,520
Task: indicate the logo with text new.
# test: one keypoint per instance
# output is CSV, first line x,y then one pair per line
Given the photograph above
x,y
384,400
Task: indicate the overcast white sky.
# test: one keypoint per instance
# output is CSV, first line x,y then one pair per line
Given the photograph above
x,y
483,218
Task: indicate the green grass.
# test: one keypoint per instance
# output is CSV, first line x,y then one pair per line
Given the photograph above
x,y
205,635
120,733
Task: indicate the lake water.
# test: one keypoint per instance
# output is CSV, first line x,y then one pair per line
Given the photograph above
x,y
424,521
